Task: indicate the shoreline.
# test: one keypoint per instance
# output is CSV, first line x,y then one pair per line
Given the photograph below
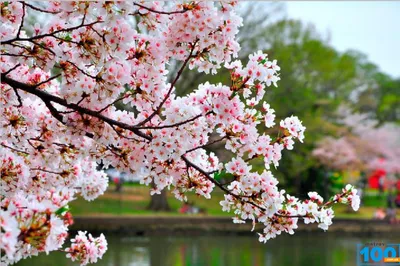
x,y
205,225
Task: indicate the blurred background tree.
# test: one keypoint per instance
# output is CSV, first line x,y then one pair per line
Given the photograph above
x,y
316,80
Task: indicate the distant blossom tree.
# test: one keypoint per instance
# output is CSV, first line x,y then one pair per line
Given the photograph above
x,y
367,146
60,81
337,154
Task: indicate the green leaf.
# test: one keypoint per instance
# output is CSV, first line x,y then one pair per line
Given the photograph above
x,y
218,175
263,61
68,38
62,210
223,174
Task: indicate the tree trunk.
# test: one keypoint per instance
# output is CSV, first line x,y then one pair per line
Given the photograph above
x,y
159,202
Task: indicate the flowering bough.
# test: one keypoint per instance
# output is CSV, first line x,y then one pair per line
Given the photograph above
x,y
60,82
367,146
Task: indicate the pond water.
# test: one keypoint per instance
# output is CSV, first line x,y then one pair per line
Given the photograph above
x,y
301,249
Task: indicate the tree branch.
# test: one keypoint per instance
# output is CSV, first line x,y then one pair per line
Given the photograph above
x,y
161,12
11,69
176,124
47,97
39,9
13,149
207,144
224,189
22,19
171,87
31,39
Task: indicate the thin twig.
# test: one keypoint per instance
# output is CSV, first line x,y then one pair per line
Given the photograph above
x,y
31,39
47,171
22,19
175,124
11,69
39,9
207,144
114,102
161,12
14,149
47,80
224,189
171,87
82,71
18,97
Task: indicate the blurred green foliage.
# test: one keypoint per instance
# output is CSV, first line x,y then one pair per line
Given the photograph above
x,y
315,80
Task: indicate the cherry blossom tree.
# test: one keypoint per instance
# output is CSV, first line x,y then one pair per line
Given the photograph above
x,y
382,140
367,145
60,82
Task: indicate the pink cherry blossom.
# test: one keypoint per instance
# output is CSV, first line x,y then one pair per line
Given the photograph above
x,y
61,81
86,249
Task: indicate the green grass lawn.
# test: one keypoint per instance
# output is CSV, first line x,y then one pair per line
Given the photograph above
x,y
134,200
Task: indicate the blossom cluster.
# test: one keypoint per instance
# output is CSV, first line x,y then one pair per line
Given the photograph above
x,y
33,223
61,81
86,249
278,211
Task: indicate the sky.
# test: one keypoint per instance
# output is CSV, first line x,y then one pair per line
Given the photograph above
x,y
369,27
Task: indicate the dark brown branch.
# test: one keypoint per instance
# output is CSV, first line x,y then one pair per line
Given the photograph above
x,y
122,135
326,204
240,197
207,144
13,149
252,158
15,90
31,39
46,171
290,216
207,176
114,102
54,111
224,189
176,124
22,19
39,9
82,71
161,12
100,35
11,69
45,96
171,87
17,55
43,47
235,90
64,40
18,97
47,80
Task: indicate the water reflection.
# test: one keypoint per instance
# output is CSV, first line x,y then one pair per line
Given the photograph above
x,y
299,250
